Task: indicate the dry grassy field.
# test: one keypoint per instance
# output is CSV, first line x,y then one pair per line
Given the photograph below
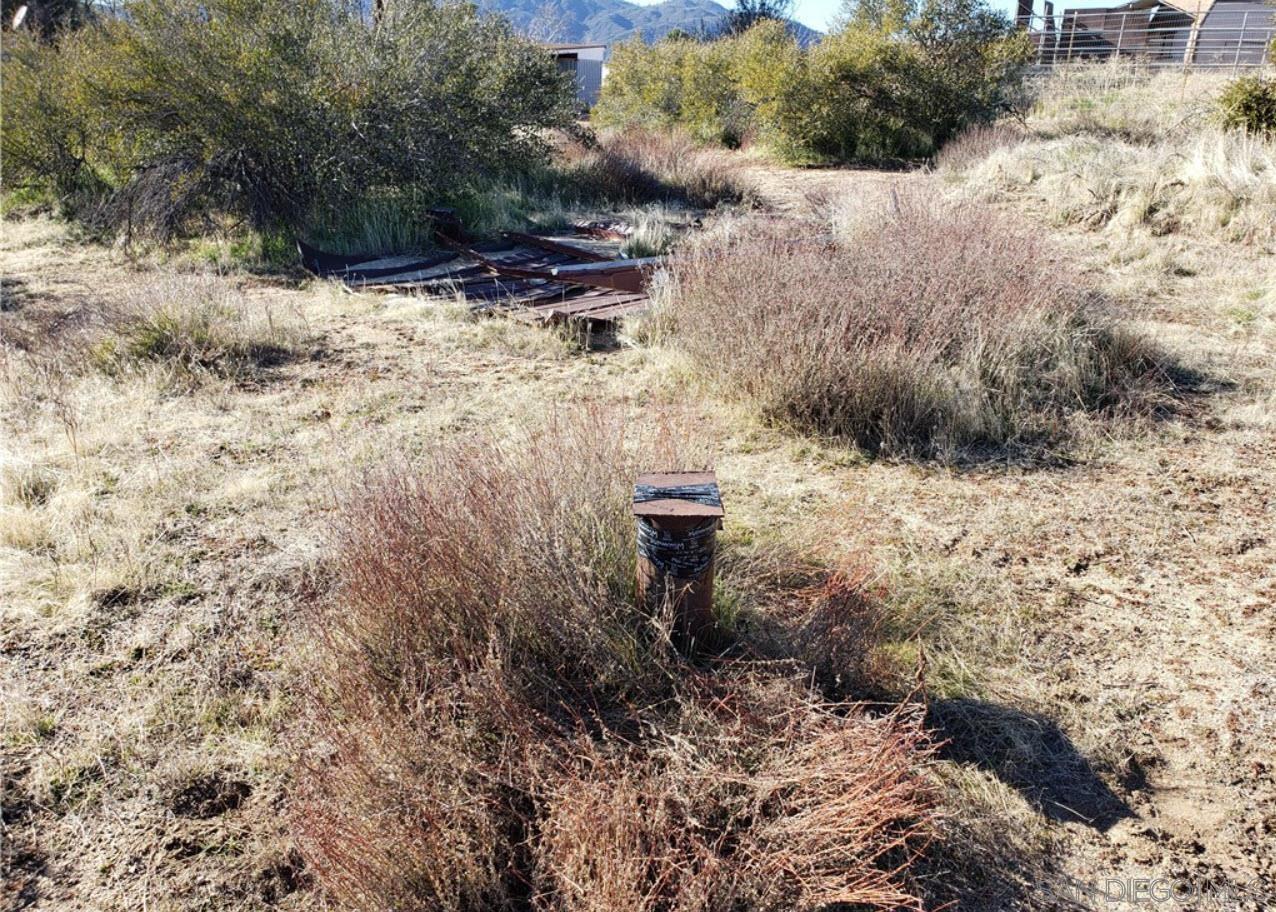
x,y
1090,620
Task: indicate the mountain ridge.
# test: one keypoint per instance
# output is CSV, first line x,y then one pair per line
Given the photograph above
x,y
613,21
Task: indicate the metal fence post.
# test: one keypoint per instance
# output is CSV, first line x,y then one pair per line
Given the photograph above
x,y
678,515
1120,35
1240,39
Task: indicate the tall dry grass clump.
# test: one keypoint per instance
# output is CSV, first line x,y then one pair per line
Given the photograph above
x,y
192,327
1123,100
654,174
1112,146
640,165
178,330
516,561
1214,183
914,327
495,725
975,144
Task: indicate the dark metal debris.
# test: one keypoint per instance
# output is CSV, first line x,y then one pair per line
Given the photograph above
x,y
533,277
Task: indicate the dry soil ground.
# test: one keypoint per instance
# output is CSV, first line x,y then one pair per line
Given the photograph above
x,y
1101,631
1146,571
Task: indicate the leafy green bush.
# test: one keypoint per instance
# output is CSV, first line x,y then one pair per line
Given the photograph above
x,y
901,83
282,112
1249,103
674,82
896,81
54,138
720,91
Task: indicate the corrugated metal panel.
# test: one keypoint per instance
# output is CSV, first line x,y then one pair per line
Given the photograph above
x,y
589,78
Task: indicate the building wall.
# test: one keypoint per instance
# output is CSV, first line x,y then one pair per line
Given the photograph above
x,y
1232,32
1170,36
589,81
588,75
586,64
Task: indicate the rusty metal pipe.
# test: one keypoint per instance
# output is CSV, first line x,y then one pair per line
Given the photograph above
x,y
678,515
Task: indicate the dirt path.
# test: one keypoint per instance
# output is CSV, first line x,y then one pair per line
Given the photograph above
x,y
796,191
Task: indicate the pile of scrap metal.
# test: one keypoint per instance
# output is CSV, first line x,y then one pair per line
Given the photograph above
x,y
544,279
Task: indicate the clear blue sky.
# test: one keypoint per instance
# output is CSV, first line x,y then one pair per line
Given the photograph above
x,y
818,14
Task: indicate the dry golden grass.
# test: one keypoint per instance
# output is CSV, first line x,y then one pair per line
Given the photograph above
x,y
1212,183
1109,618
1124,101
1108,147
154,543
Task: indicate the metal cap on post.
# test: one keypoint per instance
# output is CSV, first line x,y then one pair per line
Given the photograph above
x,y
678,516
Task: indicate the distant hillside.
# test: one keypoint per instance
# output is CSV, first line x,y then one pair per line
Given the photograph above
x,y
611,21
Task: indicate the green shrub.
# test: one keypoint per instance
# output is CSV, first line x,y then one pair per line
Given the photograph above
x,y
1249,103
674,82
772,74
54,138
725,91
902,84
281,112
887,84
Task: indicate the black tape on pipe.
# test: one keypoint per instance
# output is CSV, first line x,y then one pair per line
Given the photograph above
x,y
686,556
704,494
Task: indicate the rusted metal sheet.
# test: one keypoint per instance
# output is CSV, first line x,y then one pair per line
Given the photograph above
x,y
622,275
362,267
604,231
572,250
595,305
623,308
543,278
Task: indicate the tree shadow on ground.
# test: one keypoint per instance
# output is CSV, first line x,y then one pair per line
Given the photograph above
x,y
1031,754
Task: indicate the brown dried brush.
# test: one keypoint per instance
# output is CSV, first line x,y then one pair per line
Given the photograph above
x,y
751,796
494,724
976,143
639,165
914,327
